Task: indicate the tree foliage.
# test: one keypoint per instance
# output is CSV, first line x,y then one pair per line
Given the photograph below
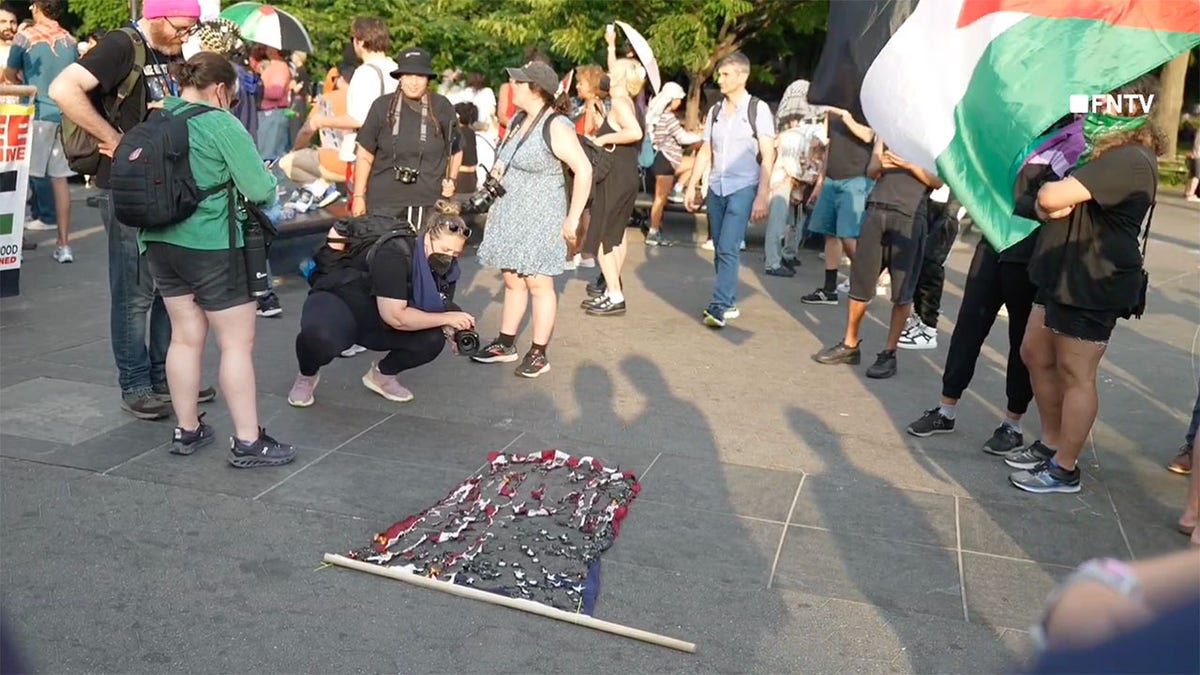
x,y
688,36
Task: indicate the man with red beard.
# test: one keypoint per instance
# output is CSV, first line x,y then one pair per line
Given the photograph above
x,y
82,91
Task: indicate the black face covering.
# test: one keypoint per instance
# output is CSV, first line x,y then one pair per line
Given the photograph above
x,y
440,263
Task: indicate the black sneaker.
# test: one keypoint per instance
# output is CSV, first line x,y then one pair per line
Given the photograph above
x,y
535,363
144,405
932,422
790,263
781,271
268,306
597,287
496,353
838,354
606,307
1030,457
884,367
820,297
265,451
592,301
186,442
207,394
1004,440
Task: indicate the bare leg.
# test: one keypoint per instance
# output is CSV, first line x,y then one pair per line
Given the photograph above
x,y
1192,184
662,188
833,252
62,206
1037,351
1077,362
545,307
857,310
848,247
609,268
622,250
684,171
516,301
896,326
189,328
234,328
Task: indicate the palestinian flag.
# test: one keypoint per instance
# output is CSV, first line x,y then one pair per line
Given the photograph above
x,y
963,87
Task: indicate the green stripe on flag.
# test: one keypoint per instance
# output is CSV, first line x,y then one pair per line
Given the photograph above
x,y
6,224
1020,87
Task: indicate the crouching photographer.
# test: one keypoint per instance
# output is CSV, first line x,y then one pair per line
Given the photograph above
x,y
380,284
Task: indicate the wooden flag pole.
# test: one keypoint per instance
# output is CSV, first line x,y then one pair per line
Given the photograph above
x,y
512,603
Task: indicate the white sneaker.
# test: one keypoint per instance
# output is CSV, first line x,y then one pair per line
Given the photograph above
x,y
35,225
918,336
844,287
707,245
570,264
352,351
63,254
742,247
1192,198
1003,311
586,263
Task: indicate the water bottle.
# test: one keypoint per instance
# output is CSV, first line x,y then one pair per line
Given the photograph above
x,y
257,277
307,266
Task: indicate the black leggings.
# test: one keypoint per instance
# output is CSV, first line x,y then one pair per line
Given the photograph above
x,y
328,327
991,283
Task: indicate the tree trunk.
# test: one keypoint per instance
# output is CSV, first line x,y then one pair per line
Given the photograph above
x,y
1169,102
695,96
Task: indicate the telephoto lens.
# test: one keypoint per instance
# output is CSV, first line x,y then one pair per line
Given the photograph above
x,y
257,278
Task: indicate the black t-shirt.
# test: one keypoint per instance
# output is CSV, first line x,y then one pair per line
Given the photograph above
x,y
389,275
899,190
385,194
467,181
110,62
848,154
1092,259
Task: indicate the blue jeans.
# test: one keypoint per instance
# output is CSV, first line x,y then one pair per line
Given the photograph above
x,y
133,296
728,217
41,197
1195,425
272,138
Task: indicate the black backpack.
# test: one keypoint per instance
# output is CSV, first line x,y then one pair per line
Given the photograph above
x,y
361,237
152,184
598,157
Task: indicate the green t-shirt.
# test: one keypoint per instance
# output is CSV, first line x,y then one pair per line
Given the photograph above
x,y
220,150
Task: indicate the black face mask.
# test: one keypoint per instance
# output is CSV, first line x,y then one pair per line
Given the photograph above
x,y
440,263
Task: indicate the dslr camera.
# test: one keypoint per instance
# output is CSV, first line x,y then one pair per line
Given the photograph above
x,y
407,175
467,340
487,195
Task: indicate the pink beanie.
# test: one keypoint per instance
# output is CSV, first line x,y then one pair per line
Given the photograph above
x,y
157,9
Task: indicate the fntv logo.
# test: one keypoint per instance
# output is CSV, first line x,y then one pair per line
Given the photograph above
x,y
1113,104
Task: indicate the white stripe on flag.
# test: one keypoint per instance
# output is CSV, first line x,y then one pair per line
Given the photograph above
x,y
912,88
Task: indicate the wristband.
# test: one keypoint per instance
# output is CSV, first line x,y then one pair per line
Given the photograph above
x,y
1113,573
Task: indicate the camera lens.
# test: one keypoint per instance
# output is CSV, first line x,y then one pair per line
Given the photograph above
x,y
467,341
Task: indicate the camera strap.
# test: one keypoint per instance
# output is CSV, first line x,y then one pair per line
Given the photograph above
x,y
400,104
524,137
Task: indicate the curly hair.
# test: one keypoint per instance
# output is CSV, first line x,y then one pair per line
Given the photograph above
x,y
1148,134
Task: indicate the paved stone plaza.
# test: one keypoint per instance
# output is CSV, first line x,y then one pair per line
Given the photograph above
x,y
786,521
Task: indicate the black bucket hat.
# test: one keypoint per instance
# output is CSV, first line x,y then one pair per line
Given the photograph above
x,y
414,61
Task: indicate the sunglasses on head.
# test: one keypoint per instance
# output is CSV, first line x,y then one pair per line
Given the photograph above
x,y
460,229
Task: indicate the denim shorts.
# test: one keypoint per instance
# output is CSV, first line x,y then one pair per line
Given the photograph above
x,y
839,208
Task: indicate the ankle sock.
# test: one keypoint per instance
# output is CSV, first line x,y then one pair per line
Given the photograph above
x,y
1015,425
831,280
947,410
616,298
539,348
506,339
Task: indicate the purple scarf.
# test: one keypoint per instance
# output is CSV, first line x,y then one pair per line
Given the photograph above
x,y
1061,150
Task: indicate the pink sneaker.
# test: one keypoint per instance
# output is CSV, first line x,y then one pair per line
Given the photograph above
x,y
301,395
386,386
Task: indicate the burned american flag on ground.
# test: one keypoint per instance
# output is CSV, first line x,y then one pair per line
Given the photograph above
x,y
528,526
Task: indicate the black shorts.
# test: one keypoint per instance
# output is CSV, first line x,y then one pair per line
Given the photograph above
x,y
1090,325
1194,166
216,278
889,239
662,166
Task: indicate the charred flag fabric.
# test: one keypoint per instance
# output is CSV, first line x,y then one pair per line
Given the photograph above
x,y
962,87
528,526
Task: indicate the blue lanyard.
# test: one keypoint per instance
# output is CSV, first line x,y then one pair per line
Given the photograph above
x,y
159,68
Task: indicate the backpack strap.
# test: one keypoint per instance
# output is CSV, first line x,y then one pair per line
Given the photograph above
x,y
130,84
187,113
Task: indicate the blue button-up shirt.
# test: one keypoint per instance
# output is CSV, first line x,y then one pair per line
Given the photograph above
x,y
734,149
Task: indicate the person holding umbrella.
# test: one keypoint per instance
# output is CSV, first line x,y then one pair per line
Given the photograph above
x,y
408,146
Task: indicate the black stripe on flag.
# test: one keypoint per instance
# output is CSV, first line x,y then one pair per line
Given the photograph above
x,y
856,32
8,181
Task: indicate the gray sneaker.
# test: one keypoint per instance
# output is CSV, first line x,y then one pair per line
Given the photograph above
x,y
1029,457
145,405
207,394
